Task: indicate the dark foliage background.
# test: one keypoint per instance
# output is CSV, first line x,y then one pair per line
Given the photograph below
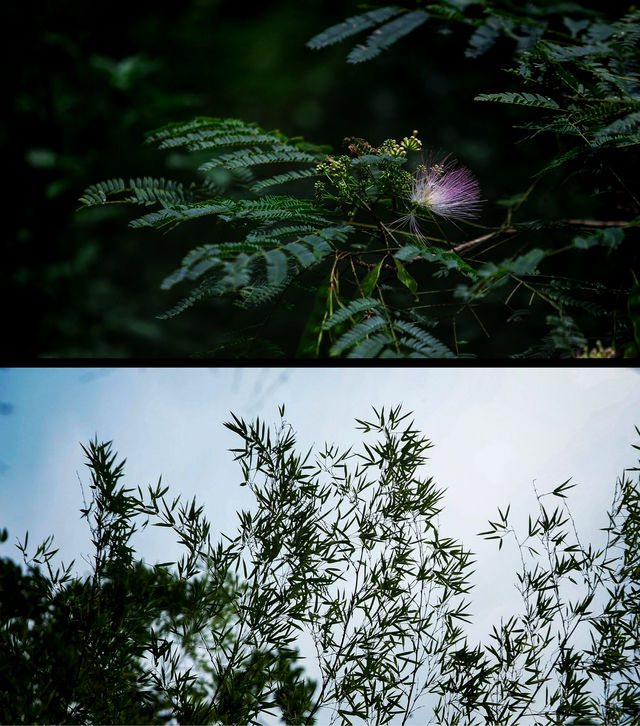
x,y
85,83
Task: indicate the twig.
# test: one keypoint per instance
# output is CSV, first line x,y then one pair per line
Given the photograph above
x,y
596,222
484,238
371,265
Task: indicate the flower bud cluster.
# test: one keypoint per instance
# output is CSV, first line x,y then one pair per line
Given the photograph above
x,y
351,179
336,169
393,148
390,147
598,352
412,143
358,146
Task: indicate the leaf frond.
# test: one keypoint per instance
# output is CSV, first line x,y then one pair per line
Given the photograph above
x,y
386,35
283,179
254,156
145,191
352,25
520,99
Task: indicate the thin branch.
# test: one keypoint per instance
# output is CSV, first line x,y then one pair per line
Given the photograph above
x,y
597,222
484,238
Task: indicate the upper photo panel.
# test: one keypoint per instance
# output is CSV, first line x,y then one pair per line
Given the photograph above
x,y
323,180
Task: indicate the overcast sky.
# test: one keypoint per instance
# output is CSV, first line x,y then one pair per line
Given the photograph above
x,y
495,431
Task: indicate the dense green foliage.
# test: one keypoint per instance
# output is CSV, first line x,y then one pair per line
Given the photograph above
x,y
121,645
567,282
345,546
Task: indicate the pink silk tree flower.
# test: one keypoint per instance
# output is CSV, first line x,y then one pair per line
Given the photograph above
x,y
446,189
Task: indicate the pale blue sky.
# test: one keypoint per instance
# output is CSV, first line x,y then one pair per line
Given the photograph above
x,y
495,431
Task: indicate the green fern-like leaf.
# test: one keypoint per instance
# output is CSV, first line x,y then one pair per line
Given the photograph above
x,y
233,266
562,159
236,273
252,296
283,178
619,141
192,268
484,37
564,53
199,140
202,259
277,266
567,338
207,288
358,333
447,259
419,342
307,256
566,294
269,234
265,209
313,248
378,335
520,99
253,156
353,25
99,193
153,191
568,78
281,266
621,132
602,110
386,35
275,208
558,126
448,11
146,191
351,309
200,124
171,216
544,348
218,134
372,346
